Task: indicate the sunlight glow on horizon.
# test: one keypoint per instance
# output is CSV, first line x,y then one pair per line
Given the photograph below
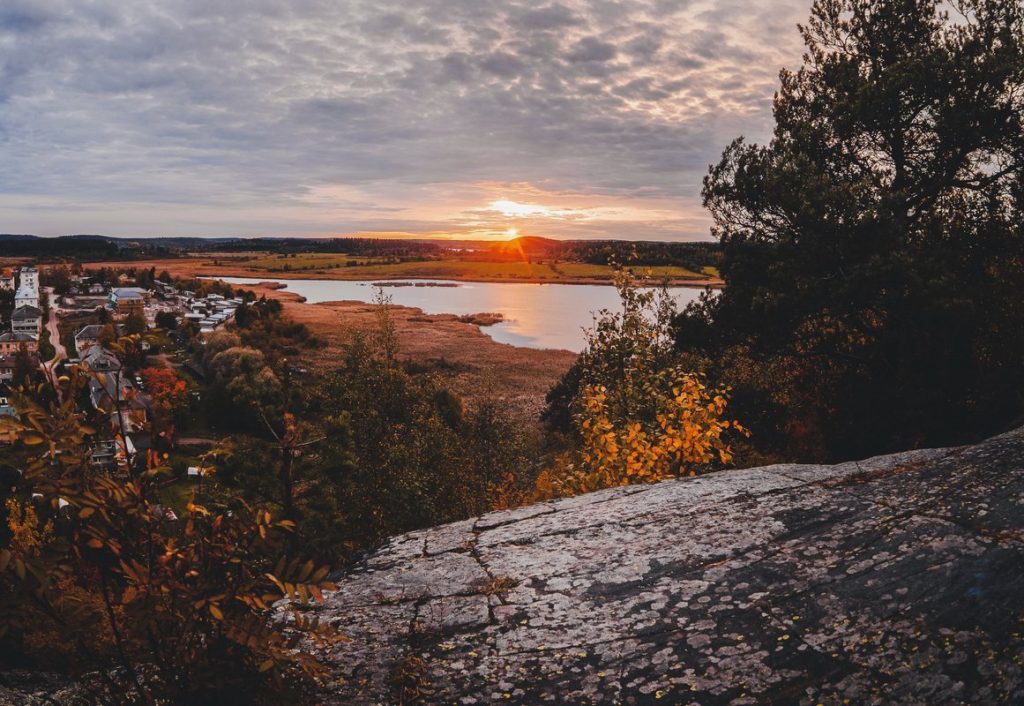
x,y
509,209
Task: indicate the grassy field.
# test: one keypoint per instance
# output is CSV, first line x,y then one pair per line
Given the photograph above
x,y
368,268
302,261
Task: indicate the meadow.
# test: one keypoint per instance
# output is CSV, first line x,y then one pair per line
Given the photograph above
x,y
344,266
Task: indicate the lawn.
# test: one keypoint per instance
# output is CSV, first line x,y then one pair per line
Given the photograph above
x,y
177,495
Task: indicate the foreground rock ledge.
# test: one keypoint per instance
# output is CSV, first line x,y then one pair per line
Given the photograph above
x,y
894,580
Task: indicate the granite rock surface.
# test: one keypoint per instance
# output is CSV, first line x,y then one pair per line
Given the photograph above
x,y
895,580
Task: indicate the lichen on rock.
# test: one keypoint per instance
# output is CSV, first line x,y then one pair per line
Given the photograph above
x,y
899,579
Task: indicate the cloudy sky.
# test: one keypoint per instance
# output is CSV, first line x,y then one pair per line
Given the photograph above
x,y
460,118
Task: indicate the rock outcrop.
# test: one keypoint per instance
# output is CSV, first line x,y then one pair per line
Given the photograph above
x,y
896,580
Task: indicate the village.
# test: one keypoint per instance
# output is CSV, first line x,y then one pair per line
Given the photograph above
x,y
33,314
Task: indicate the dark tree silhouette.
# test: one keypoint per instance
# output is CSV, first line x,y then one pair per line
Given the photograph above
x,y
873,249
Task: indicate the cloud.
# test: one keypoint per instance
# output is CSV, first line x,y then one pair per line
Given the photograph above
x,y
591,49
191,116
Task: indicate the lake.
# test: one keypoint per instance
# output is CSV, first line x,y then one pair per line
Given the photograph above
x,y
536,315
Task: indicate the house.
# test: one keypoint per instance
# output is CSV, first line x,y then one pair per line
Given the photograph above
x,y
26,296
9,363
104,453
127,300
11,343
114,395
27,319
7,282
89,301
89,336
100,360
7,410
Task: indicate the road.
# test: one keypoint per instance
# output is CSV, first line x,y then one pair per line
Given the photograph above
x,y
51,326
50,366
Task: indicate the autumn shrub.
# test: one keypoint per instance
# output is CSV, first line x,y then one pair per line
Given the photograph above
x,y
639,416
418,454
144,606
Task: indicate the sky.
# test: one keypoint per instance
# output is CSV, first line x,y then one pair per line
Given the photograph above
x,y
426,118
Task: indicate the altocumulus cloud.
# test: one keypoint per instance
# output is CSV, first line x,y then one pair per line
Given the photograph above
x,y
319,116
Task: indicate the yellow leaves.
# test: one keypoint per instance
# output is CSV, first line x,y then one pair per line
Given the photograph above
x,y
216,612
671,425
28,533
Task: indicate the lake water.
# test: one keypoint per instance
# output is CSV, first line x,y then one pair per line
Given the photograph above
x,y
536,315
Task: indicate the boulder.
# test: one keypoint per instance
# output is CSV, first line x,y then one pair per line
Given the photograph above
x,y
895,580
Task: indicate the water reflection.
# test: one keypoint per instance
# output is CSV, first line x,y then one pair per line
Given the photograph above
x,y
536,315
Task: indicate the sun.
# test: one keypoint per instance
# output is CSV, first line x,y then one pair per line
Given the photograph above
x,y
511,233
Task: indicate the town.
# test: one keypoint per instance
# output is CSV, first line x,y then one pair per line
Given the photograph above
x,y
57,319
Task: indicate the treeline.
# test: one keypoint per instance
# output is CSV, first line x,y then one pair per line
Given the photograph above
x,y
693,256
600,252
364,247
80,248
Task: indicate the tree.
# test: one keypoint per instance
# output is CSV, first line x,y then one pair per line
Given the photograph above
x,y
167,320
418,455
639,414
169,395
244,388
58,277
107,335
155,609
132,350
24,366
135,323
873,249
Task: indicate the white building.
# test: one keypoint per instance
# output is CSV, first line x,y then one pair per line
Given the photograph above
x,y
28,277
26,297
28,288
27,319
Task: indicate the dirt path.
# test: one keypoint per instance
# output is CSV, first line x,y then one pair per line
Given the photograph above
x,y
50,367
52,327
